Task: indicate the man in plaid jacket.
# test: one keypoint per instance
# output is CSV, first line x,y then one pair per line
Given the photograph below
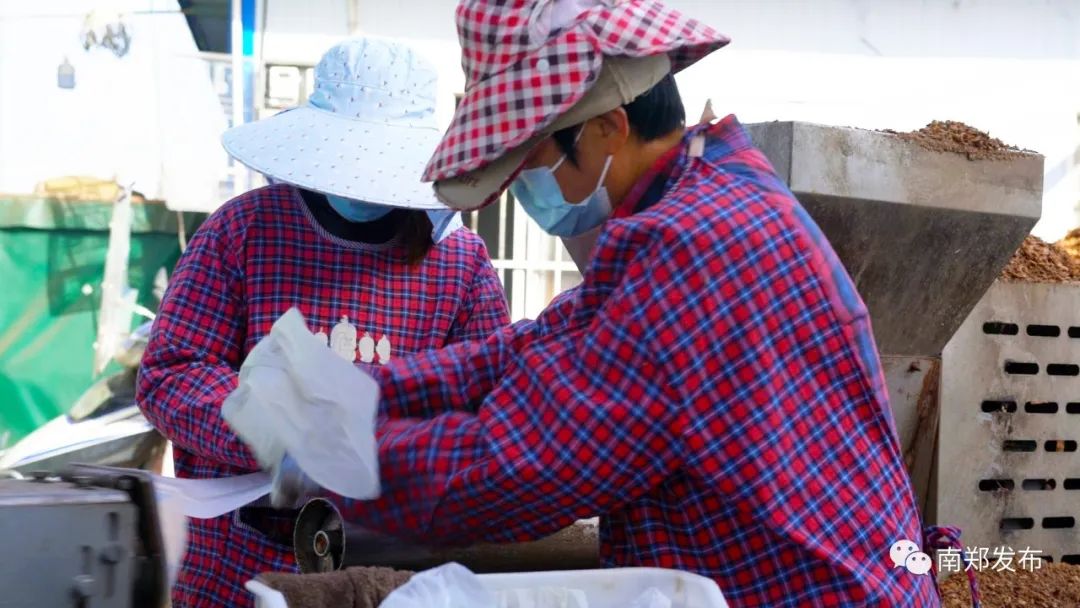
x,y
711,391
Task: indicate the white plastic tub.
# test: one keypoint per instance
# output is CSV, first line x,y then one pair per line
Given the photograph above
x,y
607,588
619,587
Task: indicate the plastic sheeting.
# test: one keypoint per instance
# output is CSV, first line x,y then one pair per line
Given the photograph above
x,y
52,258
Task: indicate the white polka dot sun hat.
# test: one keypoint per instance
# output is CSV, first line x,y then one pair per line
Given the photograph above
x,y
365,134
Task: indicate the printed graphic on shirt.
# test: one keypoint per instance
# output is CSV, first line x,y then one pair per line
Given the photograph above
x,y
383,349
343,341
367,348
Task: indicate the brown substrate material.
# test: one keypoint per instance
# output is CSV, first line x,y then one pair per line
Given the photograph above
x,y
349,588
1050,586
958,138
1040,262
1071,243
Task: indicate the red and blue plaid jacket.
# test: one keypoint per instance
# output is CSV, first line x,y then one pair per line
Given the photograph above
x,y
712,391
259,255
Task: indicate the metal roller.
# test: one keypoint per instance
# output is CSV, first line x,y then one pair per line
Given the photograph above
x,y
324,542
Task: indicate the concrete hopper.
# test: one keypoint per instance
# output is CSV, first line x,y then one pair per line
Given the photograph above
x,y
922,233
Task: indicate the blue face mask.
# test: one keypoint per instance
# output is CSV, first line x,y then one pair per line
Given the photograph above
x,y
357,211
443,224
542,198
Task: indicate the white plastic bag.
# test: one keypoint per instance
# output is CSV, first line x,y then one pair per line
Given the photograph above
x,y
448,586
297,397
209,498
247,411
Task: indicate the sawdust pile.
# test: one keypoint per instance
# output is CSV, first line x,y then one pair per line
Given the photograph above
x,y
1071,243
958,138
1050,586
1040,262
351,587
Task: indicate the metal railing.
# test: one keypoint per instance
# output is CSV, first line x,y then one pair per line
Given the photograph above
x,y
533,265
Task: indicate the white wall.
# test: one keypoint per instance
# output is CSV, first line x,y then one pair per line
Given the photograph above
x,y
299,31
151,117
1031,104
1011,67
1008,67
1019,29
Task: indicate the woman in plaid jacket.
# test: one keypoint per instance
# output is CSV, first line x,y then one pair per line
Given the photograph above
x,y
375,263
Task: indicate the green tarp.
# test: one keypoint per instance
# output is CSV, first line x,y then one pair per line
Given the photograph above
x,y
52,258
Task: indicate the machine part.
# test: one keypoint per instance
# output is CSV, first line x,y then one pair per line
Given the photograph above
x,y
1008,474
318,526
106,396
104,426
922,233
323,542
913,392
920,455
88,538
150,586
123,439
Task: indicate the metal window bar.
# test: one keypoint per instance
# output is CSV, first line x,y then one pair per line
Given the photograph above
x,y
533,266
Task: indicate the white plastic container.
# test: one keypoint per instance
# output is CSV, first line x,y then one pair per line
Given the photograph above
x,y
619,587
265,597
606,588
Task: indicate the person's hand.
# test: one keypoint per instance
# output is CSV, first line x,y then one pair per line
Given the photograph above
x,y
289,386
291,487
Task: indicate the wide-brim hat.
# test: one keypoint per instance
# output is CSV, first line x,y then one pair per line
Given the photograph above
x,y
529,62
364,134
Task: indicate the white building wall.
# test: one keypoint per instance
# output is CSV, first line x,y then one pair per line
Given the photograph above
x,y
1008,67
299,31
151,117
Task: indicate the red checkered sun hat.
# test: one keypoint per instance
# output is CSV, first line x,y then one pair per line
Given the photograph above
x,y
528,62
